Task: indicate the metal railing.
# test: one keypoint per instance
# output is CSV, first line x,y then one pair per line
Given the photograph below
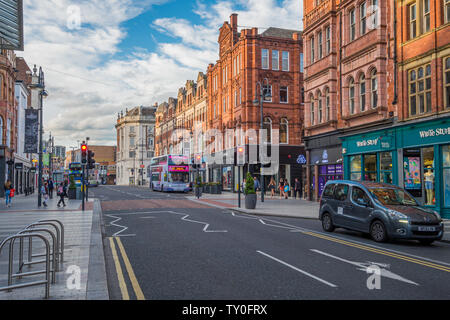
x,y
54,255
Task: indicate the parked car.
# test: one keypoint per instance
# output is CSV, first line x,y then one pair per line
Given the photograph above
x,y
93,183
382,210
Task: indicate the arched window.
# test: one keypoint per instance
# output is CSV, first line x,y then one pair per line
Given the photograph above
x,y
374,89
362,93
313,122
320,111
351,95
267,126
284,131
327,105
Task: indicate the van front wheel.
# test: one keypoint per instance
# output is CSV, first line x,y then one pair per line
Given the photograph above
x,y
378,232
327,223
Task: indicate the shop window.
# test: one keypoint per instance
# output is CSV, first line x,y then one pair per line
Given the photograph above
x,y
428,175
355,168
420,90
446,174
386,175
412,172
370,167
447,81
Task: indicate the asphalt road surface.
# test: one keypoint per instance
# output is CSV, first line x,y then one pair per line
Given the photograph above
x,y
164,247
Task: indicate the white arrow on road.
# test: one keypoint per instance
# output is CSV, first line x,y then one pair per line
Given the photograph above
x,y
365,266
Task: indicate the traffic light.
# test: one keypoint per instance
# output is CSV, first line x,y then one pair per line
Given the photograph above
x,y
240,156
84,150
91,160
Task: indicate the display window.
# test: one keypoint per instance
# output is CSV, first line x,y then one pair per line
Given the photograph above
x,y
386,175
412,172
428,176
370,167
446,174
355,168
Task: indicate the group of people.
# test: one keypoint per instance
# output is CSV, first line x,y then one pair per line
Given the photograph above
x,y
48,188
283,187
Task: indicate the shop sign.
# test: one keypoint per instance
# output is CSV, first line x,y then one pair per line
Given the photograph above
x,y
428,133
301,159
370,143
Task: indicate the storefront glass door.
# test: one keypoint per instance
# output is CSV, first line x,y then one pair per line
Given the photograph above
x,y
370,167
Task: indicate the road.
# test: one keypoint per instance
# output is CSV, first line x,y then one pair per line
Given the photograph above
x,y
164,247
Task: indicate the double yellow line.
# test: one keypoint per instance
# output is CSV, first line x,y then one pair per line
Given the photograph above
x,y
382,252
122,284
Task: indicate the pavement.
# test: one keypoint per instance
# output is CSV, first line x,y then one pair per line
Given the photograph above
x,y
83,251
290,208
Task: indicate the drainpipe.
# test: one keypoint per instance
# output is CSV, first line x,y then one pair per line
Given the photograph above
x,y
395,56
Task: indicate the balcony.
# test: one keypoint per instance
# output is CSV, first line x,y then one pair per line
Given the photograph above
x,y
321,10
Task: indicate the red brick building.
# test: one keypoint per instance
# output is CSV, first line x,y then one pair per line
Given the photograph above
x,y
8,114
273,58
348,79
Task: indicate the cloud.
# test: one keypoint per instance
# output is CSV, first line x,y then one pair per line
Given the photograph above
x,y
88,85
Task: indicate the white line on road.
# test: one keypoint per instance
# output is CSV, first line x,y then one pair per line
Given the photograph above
x,y
365,266
113,223
298,270
302,229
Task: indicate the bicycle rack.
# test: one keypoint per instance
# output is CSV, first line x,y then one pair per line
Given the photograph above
x,y
56,256
10,265
58,250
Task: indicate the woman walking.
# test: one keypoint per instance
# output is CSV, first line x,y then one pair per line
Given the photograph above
x,y
281,188
44,191
61,194
8,187
272,187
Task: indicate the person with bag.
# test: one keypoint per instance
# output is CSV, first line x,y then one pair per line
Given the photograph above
x,y
61,194
287,188
44,192
9,192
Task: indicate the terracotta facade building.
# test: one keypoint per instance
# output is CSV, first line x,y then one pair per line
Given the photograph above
x,y
272,58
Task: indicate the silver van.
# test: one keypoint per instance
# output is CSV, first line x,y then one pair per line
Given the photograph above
x,y
382,210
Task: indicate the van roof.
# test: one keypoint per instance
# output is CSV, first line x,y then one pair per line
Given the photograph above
x,y
367,184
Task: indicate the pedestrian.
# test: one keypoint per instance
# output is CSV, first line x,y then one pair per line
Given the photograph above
x,y
243,186
8,190
50,188
61,194
287,188
281,188
297,188
257,186
272,187
44,192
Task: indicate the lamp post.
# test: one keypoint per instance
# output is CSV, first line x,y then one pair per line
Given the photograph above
x,y
40,86
262,96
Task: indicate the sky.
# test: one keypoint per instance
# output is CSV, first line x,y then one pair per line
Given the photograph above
x,y
103,56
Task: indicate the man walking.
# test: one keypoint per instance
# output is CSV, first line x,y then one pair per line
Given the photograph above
x,y
257,185
297,188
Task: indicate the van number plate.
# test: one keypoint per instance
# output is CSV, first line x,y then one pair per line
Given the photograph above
x,y
429,229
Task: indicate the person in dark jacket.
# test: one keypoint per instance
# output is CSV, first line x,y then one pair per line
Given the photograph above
x,y
297,188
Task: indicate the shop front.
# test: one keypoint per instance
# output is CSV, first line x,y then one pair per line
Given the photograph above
x,y
415,156
325,163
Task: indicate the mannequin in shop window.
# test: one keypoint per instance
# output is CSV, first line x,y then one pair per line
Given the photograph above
x,y
429,185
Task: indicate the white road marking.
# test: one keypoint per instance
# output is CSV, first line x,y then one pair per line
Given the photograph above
x,y
365,266
302,229
113,223
298,270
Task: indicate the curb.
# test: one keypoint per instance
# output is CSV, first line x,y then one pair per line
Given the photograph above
x,y
97,284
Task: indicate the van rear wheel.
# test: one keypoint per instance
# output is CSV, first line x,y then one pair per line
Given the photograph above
x,y
378,232
327,223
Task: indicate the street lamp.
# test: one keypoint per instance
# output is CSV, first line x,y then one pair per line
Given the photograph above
x,y
40,85
262,96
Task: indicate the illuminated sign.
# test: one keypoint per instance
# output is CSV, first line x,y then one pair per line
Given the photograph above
x,y
178,168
